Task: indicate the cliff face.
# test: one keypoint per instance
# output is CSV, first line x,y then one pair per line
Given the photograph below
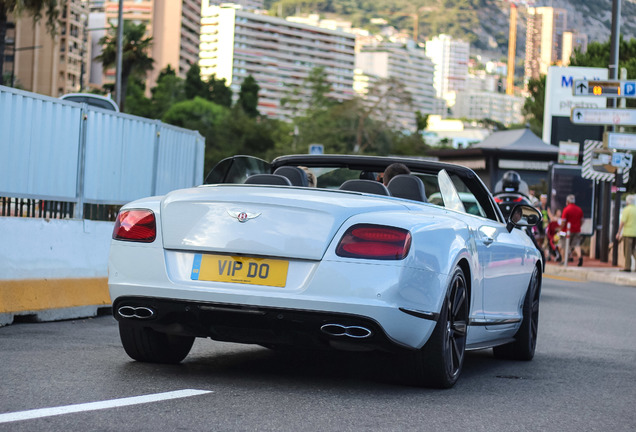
x,y
483,23
593,18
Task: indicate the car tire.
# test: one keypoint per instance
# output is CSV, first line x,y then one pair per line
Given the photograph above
x,y
439,363
147,345
525,343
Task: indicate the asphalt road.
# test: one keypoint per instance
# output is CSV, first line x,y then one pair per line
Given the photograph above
x,y
583,378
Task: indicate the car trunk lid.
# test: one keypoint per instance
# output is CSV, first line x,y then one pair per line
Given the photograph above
x,y
260,220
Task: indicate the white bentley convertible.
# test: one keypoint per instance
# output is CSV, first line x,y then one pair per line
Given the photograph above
x,y
258,256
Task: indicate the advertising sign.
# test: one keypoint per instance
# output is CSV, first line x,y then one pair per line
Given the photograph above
x,y
569,152
560,98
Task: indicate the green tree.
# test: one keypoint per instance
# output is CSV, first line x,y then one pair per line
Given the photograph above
x,y
194,85
534,105
220,93
17,8
319,87
421,121
248,96
135,58
382,98
168,91
209,119
136,101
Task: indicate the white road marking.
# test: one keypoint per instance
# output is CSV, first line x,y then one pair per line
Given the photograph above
x,y
93,406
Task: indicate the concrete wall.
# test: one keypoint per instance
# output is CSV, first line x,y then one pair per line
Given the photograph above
x,y
53,269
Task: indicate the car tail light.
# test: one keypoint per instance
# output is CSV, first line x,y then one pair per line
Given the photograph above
x,y
135,225
375,242
498,200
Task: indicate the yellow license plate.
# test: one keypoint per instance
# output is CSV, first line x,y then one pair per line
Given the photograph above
x,y
238,269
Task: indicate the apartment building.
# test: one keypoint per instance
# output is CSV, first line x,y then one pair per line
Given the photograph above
x,y
544,39
51,65
450,57
410,66
279,54
480,105
249,5
174,26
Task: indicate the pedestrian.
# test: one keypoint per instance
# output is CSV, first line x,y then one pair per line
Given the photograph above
x,y
552,236
573,216
627,232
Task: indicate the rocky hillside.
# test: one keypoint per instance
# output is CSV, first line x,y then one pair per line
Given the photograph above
x,y
484,23
590,17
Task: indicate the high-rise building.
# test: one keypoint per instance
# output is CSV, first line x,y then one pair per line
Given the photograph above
x,y
51,65
174,26
572,40
407,64
450,57
544,39
277,53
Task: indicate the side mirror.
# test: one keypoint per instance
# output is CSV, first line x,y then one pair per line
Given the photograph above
x,y
523,216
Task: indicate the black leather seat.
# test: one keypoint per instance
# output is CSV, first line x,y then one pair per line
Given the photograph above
x,y
296,175
408,187
366,186
268,179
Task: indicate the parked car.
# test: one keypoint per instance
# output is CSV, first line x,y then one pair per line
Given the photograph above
x,y
256,256
93,100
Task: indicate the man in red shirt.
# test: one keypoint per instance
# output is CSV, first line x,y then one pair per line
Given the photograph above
x,y
573,215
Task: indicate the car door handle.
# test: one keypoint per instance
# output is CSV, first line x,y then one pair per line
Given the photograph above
x,y
487,240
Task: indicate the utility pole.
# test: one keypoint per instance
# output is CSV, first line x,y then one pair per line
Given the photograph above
x,y
120,38
612,103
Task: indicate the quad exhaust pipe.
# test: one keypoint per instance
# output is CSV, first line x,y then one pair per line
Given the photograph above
x,y
355,332
139,312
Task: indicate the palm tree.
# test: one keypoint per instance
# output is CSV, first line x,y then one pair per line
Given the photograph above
x,y
135,58
16,8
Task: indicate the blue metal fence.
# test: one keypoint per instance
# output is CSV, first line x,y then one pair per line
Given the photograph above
x,y
55,151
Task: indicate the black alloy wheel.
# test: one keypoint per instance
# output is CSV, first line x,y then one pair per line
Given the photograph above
x,y
439,363
456,325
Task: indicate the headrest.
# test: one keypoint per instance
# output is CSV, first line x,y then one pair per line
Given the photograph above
x,y
268,179
366,186
296,175
408,187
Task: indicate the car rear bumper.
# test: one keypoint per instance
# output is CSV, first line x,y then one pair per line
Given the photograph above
x,y
267,326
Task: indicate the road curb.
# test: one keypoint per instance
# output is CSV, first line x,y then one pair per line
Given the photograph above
x,y
609,275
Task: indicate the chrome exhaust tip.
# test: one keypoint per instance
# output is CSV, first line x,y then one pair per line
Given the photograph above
x,y
139,312
355,332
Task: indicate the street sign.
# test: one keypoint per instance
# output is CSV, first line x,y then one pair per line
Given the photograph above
x,y
604,116
621,141
559,102
593,160
622,160
316,149
622,89
569,152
